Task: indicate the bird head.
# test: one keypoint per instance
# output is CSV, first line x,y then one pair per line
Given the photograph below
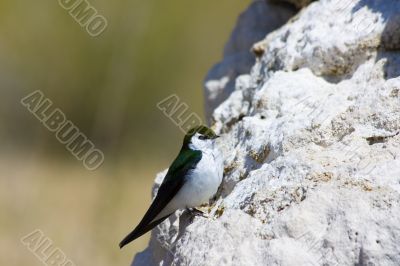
x,y
200,138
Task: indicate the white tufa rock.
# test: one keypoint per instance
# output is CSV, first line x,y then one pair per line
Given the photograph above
x,y
253,25
311,145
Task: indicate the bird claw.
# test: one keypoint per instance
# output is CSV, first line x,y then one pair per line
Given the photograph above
x,y
197,212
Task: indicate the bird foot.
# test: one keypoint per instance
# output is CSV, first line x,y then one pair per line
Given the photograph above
x,y
197,212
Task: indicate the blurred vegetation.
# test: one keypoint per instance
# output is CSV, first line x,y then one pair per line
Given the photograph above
x,y
109,87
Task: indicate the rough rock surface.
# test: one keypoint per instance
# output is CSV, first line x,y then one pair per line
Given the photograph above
x,y
253,25
311,144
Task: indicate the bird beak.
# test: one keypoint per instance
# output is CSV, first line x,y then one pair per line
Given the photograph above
x,y
216,136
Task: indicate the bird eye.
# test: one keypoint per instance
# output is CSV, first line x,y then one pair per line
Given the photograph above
x,y
202,137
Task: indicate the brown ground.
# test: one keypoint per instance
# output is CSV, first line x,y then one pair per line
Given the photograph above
x,y
84,213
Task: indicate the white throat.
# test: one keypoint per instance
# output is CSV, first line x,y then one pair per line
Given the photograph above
x,y
201,144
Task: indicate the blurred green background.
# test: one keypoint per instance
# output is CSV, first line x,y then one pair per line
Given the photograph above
x,y
109,87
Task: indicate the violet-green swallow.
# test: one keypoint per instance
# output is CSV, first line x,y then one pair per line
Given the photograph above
x,y
192,179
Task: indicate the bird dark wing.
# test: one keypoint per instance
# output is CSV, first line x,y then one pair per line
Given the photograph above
x,y
172,183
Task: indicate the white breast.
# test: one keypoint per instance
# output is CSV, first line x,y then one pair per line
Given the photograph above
x,y
201,184
204,180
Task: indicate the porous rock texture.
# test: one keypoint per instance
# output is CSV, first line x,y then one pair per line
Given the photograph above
x,y
311,145
253,25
